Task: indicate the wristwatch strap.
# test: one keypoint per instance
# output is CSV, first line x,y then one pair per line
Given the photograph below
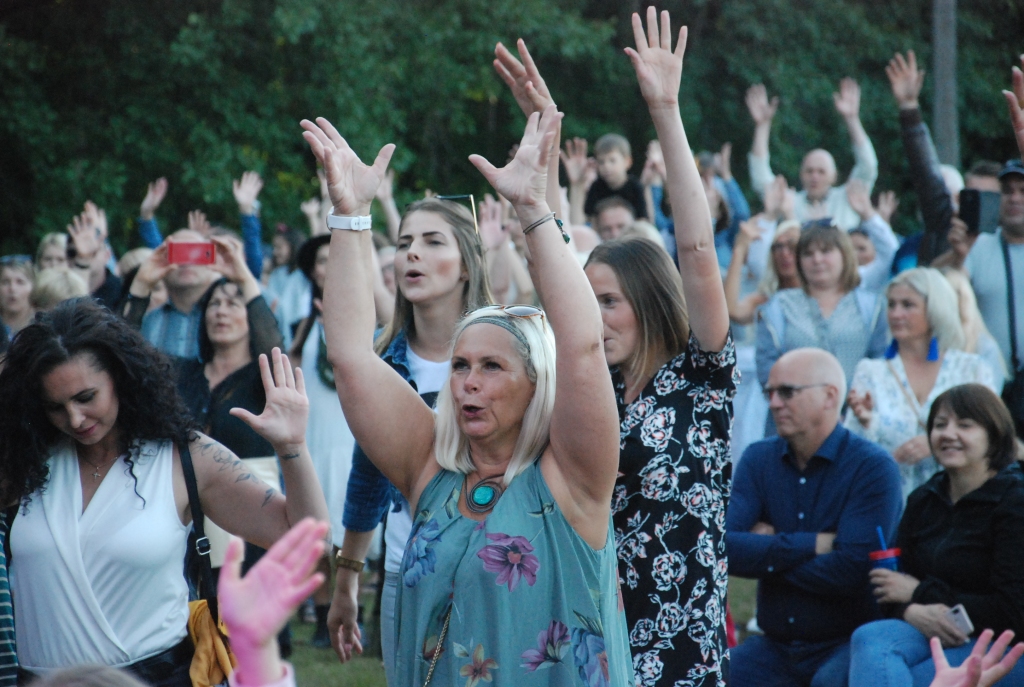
x,y
348,223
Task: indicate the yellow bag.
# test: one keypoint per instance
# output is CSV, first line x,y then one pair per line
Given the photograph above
x,y
213,660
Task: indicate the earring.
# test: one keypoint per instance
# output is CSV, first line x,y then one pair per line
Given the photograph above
x,y
933,350
892,350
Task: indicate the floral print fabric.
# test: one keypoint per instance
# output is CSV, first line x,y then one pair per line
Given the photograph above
x,y
668,511
528,603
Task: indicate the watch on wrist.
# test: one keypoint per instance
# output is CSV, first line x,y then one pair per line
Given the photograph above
x,y
348,223
342,562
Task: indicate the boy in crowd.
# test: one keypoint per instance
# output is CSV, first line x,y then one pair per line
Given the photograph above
x,y
614,159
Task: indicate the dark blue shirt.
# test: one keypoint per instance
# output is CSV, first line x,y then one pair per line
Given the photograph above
x,y
850,487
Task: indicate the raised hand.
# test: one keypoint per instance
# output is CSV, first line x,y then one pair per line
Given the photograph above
x,y
85,238
775,197
524,180
723,161
97,218
246,190
574,158
860,200
283,420
861,406
1015,103
153,269
906,79
492,229
750,231
762,110
230,262
984,667
198,223
887,205
658,69
961,240
256,607
351,185
528,87
155,193
311,208
847,100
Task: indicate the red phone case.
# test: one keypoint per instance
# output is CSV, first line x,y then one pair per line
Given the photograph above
x,y
190,253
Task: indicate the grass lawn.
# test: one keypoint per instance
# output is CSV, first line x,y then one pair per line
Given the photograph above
x,y
320,667
742,599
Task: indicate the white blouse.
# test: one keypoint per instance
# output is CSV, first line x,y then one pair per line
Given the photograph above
x,y
897,416
105,585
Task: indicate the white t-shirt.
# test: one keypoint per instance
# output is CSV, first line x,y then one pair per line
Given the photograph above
x,y
429,377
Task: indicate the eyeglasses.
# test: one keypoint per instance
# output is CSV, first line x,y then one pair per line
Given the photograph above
x,y
786,391
521,311
472,207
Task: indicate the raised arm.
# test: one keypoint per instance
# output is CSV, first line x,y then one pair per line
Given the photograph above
x,y
741,311
584,425
762,111
372,394
148,229
247,191
847,102
1015,103
659,71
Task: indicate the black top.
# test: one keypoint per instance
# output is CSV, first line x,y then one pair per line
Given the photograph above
x,y
970,552
632,192
243,388
109,292
668,511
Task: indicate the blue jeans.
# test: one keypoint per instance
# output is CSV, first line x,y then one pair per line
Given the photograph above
x,y
763,662
887,653
387,624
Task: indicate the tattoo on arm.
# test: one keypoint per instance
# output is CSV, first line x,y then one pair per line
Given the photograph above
x,y
289,456
248,476
268,497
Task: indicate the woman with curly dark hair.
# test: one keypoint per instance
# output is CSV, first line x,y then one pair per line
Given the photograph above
x,y
90,431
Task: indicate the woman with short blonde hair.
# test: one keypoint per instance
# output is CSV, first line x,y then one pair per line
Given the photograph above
x,y
55,285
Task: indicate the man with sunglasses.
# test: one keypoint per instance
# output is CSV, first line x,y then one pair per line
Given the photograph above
x,y
802,520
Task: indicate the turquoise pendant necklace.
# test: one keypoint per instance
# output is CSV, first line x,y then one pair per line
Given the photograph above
x,y
484,494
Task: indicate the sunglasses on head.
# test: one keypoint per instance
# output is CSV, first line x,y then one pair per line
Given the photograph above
x,y
472,206
787,391
522,311
15,260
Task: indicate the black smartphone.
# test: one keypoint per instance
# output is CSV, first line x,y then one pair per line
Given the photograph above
x,y
979,210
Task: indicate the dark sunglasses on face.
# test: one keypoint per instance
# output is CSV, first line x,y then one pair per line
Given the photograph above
x,y
786,391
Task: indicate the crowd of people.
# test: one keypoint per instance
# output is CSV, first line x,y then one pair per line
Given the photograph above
x,y
560,418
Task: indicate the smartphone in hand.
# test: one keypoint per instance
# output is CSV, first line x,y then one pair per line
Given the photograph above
x,y
958,616
979,210
190,252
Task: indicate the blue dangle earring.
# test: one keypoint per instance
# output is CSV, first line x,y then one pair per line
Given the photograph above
x,y
933,350
893,350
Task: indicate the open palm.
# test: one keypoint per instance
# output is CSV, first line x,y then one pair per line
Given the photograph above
x,y
351,184
257,606
524,180
658,69
283,420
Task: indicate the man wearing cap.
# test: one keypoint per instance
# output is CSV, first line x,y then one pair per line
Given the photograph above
x,y
986,264
803,518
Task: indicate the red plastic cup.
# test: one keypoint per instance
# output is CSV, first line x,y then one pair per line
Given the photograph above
x,y
888,559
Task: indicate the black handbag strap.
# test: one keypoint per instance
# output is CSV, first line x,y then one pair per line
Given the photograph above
x,y
1010,300
207,586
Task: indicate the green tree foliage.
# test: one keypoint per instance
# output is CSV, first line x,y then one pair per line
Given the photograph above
x,y
99,97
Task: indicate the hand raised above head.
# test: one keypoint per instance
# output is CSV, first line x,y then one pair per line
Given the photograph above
x,y
246,190
574,158
528,87
492,230
524,180
1015,103
155,193
905,79
283,420
847,100
859,199
659,69
351,184
762,111
887,205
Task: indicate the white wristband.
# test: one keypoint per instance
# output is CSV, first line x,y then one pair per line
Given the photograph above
x,y
348,223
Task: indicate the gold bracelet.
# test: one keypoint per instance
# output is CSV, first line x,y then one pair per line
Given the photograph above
x,y
342,562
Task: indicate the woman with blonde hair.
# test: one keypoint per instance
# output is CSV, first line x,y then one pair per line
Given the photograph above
x,y
16,279
54,285
977,338
511,565
52,252
890,397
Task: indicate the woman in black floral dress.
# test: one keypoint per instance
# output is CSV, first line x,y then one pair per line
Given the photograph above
x,y
675,377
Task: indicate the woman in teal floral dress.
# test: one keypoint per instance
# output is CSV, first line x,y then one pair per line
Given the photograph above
x,y
509,576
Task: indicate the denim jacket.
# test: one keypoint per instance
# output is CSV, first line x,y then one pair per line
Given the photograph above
x,y
369,492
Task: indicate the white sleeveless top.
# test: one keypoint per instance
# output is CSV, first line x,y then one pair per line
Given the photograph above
x,y
104,586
